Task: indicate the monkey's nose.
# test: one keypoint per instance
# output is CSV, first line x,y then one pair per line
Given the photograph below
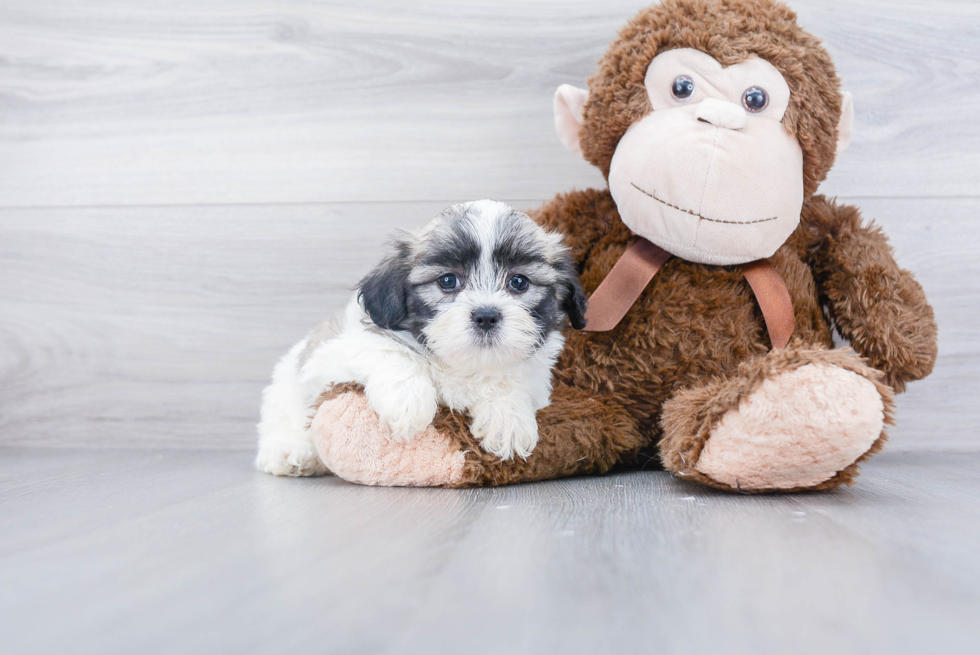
x,y
721,114
486,318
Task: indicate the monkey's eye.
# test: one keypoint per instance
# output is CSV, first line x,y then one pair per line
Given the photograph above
x,y
755,99
682,88
448,282
518,283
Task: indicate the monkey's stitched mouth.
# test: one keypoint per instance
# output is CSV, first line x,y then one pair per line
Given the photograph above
x,y
692,213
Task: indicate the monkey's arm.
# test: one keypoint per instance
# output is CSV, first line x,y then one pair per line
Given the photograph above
x,y
579,433
582,216
877,306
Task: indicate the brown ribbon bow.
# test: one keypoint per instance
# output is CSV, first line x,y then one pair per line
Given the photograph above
x,y
643,259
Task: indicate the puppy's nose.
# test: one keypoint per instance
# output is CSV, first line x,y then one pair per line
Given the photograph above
x,y
486,318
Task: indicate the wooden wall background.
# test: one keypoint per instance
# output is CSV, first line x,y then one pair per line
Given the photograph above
x,y
187,186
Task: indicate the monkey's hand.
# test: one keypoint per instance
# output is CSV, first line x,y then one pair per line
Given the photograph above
x,y
880,308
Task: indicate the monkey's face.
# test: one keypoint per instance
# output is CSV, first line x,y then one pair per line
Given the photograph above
x,y
692,122
710,174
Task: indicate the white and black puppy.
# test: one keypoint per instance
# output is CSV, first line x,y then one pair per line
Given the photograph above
x,y
465,313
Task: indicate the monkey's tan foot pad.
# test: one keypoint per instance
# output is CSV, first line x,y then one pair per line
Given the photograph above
x,y
354,446
795,430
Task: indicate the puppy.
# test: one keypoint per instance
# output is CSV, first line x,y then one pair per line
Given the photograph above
x,y
466,313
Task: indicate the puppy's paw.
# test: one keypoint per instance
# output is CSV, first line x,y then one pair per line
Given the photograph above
x,y
289,456
407,409
505,430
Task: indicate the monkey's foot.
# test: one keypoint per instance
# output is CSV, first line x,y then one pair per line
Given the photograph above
x,y
355,446
793,420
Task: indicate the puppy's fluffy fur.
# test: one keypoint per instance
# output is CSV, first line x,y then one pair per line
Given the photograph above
x,y
465,313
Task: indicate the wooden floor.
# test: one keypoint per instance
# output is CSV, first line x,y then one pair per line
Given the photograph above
x,y
116,551
186,187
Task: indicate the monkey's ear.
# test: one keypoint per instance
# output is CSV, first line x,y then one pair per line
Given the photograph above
x,y
845,128
569,114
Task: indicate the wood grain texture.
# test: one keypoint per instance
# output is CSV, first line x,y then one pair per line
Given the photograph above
x,y
159,326
113,102
107,552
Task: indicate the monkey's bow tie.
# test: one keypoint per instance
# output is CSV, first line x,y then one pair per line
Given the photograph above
x,y
641,262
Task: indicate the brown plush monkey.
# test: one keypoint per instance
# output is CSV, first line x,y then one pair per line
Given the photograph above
x,y
713,121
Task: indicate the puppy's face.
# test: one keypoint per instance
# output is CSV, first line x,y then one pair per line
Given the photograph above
x,y
481,286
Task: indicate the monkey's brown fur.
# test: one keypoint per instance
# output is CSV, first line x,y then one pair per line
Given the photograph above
x,y
694,343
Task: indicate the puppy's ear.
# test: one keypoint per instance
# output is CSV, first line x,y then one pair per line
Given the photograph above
x,y
574,302
384,291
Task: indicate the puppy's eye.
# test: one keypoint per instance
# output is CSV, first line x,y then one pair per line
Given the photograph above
x,y
448,282
518,283
682,88
755,99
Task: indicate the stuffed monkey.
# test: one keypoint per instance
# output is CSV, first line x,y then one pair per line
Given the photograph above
x,y
723,273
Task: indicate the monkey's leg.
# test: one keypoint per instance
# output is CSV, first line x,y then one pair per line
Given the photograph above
x,y
793,420
578,433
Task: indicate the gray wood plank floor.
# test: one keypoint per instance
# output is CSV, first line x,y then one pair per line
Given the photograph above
x,y
192,552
